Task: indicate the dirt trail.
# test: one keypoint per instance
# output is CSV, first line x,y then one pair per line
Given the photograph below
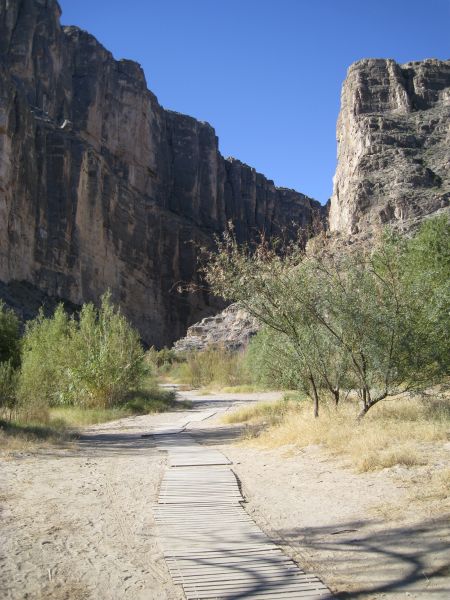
x,y
77,523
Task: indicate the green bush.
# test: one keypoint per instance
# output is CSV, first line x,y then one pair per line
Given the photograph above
x,y
106,358
8,386
213,366
46,352
93,362
9,358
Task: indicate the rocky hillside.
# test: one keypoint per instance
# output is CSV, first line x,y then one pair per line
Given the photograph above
x,y
100,187
393,137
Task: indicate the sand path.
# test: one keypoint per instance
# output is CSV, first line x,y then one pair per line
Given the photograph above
x,y
77,523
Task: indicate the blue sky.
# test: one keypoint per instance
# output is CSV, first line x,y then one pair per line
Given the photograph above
x,y
266,74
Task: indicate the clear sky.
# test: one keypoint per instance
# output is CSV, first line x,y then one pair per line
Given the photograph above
x,y
266,74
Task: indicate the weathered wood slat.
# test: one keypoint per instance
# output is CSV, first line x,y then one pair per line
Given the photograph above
x,y
212,547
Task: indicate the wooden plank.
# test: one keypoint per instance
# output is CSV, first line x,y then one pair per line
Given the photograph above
x,y
211,545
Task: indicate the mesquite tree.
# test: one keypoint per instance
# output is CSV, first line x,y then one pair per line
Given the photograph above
x,y
350,320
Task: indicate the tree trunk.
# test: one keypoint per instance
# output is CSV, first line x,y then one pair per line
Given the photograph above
x,y
362,412
315,396
336,395
369,403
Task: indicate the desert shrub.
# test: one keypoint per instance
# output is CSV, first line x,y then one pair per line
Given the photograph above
x,y
161,361
8,387
43,377
93,362
106,357
9,336
9,359
150,400
213,366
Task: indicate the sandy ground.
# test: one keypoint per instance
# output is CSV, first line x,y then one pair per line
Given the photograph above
x,y
77,523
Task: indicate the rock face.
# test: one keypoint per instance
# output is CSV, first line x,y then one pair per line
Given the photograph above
x,y
231,329
100,187
393,144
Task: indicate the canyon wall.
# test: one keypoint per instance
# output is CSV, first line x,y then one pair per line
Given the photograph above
x,y
101,188
393,145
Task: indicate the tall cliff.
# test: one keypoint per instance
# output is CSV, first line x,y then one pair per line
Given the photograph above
x,y
393,144
100,187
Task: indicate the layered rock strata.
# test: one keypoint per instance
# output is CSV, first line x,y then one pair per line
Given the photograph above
x,y
393,145
101,188
231,329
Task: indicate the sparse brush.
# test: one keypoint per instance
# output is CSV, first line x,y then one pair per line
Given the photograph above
x,y
214,367
391,434
162,361
269,412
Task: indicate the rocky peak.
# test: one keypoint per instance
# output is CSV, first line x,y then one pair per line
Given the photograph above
x,y
393,144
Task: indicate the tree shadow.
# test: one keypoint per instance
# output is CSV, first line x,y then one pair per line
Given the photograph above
x,y
235,566
224,434
380,559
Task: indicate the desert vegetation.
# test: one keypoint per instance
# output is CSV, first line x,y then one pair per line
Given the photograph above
x,y
215,368
73,371
396,432
372,323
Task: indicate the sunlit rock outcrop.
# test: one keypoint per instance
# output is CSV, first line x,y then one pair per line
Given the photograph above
x,y
393,144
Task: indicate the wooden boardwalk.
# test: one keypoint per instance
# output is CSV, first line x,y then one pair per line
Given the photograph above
x,y
213,549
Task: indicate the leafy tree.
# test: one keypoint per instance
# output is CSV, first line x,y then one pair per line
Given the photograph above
x,y
427,279
355,319
280,289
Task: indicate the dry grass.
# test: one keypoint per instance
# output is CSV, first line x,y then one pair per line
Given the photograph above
x,y
393,432
434,486
73,416
17,437
214,367
262,413
247,388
